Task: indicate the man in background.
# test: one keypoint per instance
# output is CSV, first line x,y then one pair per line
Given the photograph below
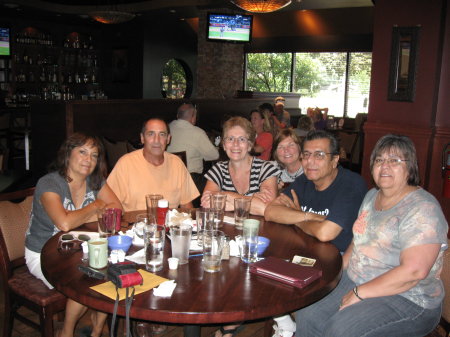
x,y
192,139
282,115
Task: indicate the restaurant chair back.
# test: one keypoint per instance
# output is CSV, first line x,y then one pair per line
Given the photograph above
x,y
19,286
182,155
348,142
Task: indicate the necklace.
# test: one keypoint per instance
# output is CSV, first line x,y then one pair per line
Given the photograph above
x,y
289,177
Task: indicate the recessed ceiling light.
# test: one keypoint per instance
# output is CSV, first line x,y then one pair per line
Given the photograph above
x,y
172,11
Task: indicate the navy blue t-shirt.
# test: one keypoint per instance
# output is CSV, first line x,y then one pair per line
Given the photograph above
x,y
339,203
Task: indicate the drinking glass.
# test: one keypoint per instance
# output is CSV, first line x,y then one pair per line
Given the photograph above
x,y
212,250
202,216
241,211
218,201
107,219
249,252
151,201
180,237
154,236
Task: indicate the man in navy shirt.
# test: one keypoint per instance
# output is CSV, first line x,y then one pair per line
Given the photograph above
x,y
325,200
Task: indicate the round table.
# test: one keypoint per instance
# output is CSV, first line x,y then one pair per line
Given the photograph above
x,y
231,295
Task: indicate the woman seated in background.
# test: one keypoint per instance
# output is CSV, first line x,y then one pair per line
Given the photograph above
x,y
390,285
287,156
242,174
305,124
264,138
65,199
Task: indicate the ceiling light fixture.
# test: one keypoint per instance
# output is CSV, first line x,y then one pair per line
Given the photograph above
x,y
261,6
111,16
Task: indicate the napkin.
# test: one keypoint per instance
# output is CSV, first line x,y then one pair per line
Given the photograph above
x,y
194,245
165,289
229,219
150,281
137,257
234,248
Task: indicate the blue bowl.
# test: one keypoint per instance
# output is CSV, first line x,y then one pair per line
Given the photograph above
x,y
263,243
120,242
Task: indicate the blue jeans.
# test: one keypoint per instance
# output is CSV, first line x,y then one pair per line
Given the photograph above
x,y
375,317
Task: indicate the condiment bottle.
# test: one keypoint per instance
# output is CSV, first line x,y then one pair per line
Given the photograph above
x,y
161,211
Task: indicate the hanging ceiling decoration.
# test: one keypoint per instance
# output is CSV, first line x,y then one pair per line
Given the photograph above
x,y
261,6
111,16
108,12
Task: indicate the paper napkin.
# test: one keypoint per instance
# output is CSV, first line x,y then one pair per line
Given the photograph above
x,y
137,257
229,219
150,281
234,248
165,289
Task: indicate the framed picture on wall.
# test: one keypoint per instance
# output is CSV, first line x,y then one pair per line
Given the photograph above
x,y
120,65
403,66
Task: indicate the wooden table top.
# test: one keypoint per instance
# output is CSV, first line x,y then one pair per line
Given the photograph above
x,y
231,295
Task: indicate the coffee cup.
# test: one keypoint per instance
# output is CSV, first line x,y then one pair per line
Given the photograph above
x,y
98,253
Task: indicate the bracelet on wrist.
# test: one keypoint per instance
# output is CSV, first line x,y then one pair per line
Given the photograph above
x,y
355,291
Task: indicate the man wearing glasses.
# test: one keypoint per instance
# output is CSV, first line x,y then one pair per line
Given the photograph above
x,y
325,200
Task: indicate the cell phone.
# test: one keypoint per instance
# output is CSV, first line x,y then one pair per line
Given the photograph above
x,y
91,272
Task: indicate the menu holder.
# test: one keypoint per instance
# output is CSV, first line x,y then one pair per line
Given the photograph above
x,y
286,272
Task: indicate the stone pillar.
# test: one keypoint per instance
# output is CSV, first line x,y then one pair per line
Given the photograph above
x,y
220,65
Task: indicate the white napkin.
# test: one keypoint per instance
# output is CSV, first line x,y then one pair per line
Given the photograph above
x,y
194,245
229,219
234,248
138,257
165,289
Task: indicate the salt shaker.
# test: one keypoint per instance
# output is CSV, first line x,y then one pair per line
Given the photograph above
x,y
226,248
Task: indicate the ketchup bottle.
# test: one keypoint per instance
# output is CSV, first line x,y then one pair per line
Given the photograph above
x,y
161,211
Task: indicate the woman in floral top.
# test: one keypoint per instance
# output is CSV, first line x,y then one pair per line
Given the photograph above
x,y
390,285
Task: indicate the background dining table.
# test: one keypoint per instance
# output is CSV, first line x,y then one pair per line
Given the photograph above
x,y
201,298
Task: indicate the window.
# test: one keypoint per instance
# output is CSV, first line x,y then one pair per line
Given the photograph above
x,y
338,81
176,80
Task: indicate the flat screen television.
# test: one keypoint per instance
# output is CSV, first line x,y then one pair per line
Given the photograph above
x,y
229,27
5,46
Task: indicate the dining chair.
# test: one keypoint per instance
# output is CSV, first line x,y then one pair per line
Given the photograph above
x,y
348,142
182,155
20,287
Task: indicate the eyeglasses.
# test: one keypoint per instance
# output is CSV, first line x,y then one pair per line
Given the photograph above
x,y
70,242
232,139
318,155
285,147
392,162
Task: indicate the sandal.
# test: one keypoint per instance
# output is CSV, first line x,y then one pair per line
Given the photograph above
x,y
232,332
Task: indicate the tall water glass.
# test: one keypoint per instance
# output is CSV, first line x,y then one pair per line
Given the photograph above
x,y
201,218
241,211
218,201
151,201
249,252
212,250
154,236
180,237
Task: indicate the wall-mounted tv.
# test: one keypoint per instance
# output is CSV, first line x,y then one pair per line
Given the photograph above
x,y
229,27
5,46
